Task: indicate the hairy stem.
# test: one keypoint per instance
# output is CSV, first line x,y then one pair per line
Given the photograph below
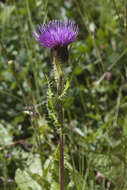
x,y
60,119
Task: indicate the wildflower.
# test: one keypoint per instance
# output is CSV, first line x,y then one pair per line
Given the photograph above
x,y
57,35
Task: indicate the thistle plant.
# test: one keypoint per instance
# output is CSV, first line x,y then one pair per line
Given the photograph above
x,y
56,36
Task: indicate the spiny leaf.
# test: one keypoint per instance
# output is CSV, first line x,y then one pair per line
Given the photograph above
x,y
50,104
50,95
67,85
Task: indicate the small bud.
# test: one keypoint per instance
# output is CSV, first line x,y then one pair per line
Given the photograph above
x,y
10,62
11,65
95,83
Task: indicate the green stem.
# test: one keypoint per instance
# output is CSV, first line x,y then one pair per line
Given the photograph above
x,y
60,120
59,80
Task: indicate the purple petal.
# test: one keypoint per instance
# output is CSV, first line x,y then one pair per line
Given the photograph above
x,y
56,33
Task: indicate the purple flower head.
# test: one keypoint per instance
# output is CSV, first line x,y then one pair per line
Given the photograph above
x,y
57,35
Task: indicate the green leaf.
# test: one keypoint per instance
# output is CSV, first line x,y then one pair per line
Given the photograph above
x,y
6,13
5,137
79,69
83,48
55,186
125,126
35,166
95,117
65,88
25,181
112,167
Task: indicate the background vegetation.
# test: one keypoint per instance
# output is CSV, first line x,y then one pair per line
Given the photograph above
x,y
95,118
